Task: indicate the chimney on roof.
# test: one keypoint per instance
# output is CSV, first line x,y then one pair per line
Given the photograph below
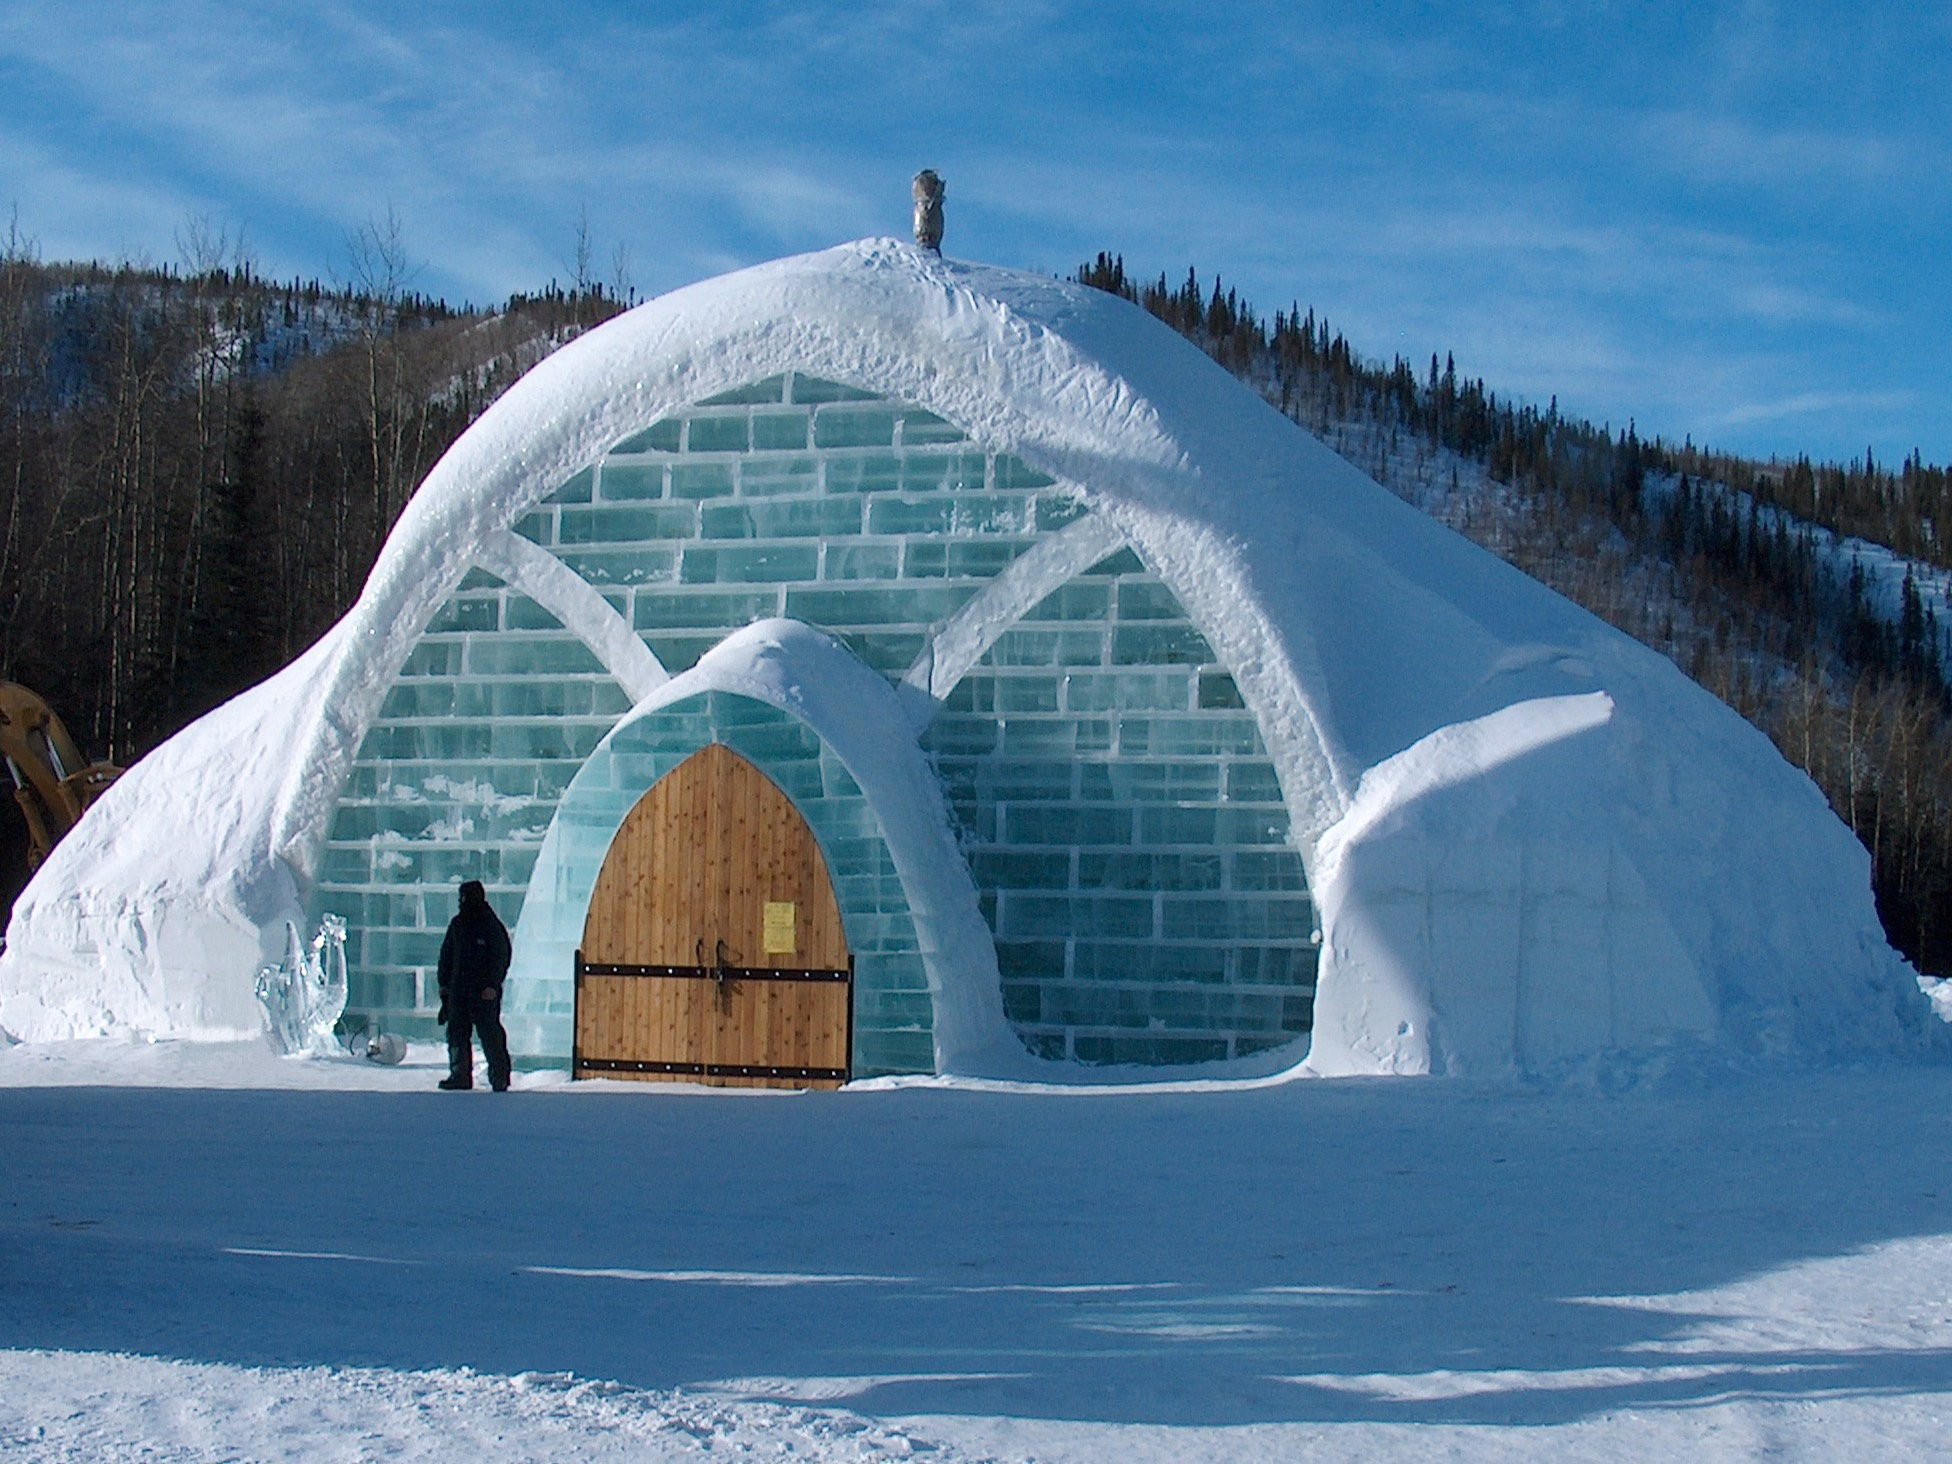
x,y
929,190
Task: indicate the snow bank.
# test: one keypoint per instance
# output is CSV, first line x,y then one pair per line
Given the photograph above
x,y
1476,921
1533,841
153,916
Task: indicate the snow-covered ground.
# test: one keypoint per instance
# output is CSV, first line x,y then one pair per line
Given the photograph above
x,y
212,1253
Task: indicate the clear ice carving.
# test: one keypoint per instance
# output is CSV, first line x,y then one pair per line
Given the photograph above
x,y
304,996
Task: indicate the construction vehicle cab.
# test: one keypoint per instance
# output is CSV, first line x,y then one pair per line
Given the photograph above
x,y
53,782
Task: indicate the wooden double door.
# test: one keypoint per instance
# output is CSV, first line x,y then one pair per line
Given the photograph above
x,y
713,951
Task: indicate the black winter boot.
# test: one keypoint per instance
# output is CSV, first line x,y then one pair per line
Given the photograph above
x,y
460,1058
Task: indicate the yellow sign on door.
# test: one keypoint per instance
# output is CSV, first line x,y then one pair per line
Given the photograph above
x,y
779,937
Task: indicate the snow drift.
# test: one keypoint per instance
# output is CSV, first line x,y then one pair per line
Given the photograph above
x,y
1532,842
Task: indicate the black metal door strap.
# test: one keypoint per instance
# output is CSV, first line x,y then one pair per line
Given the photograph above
x,y
709,973
710,1069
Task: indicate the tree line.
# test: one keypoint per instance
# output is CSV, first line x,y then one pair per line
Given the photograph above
x,y
200,465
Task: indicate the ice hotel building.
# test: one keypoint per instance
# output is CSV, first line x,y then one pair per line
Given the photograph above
x,y
873,663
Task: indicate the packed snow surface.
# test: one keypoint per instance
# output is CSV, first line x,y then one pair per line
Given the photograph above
x,y
212,1253
1533,843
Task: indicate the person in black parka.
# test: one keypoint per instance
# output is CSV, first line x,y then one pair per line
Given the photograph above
x,y
474,963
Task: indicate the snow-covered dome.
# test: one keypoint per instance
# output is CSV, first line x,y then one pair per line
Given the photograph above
x,y
1309,775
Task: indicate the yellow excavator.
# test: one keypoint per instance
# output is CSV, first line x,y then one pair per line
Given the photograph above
x,y
53,783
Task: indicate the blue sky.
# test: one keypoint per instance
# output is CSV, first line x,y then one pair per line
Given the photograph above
x,y
1728,220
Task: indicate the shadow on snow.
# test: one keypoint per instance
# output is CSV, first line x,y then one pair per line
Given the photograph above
x,y
1387,1251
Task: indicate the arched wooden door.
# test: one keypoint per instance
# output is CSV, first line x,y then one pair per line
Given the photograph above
x,y
713,951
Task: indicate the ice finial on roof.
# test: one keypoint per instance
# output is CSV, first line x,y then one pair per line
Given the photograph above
x,y
929,190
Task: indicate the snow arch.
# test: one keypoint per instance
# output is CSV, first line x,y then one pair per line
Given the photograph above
x,y
961,642
574,601
1011,386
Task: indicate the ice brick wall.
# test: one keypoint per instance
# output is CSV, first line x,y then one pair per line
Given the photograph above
x,y
798,498
876,522
1127,834
793,497
489,719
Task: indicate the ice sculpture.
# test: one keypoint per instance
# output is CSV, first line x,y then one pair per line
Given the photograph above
x,y
304,996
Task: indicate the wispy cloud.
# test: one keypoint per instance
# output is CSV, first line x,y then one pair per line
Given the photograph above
x,y
1711,148
1815,403
74,212
1649,230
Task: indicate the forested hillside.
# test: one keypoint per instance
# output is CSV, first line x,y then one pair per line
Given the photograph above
x,y
199,466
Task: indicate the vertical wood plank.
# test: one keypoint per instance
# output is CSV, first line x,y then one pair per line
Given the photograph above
x,y
695,862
